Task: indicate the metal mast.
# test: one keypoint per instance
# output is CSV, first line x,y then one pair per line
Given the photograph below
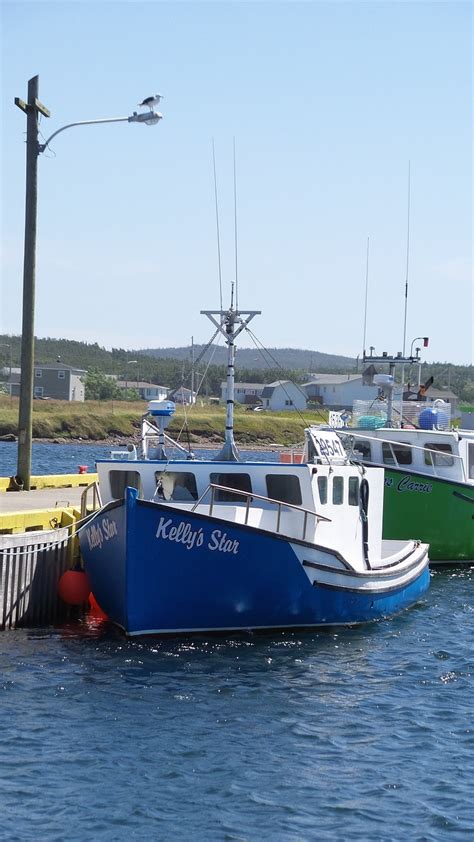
x,y
230,323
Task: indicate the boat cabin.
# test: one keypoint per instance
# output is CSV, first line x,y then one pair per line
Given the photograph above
x,y
301,500
447,454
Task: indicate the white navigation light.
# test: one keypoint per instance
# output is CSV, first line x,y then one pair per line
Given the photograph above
x,y
161,408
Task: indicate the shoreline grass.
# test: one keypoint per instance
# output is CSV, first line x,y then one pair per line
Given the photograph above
x,y
101,421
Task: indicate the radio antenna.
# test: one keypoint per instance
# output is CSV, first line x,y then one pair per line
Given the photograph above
x,y
366,294
235,235
217,223
406,297
408,256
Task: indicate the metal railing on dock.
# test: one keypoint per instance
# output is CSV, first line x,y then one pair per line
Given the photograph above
x,y
31,565
36,547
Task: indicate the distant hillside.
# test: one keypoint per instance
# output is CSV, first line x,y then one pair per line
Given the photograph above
x,y
171,367
251,358
86,355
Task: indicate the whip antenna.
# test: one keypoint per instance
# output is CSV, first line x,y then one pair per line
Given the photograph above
x,y
217,223
235,236
406,296
366,292
408,255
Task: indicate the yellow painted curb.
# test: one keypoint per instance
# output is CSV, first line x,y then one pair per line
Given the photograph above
x,y
38,520
51,481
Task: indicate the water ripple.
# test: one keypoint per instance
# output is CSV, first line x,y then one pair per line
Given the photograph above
x,y
361,734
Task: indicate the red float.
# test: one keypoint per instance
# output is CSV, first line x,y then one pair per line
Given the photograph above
x,y
95,610
74,587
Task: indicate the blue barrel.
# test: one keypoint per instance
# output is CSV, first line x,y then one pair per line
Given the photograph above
x,y
433,419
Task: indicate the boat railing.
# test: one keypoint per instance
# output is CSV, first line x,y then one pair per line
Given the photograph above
x,y
94,490
431,452
153,439
250,496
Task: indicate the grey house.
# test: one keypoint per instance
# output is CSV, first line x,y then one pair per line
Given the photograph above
x,y
338,391
183,396
283,394
246,393
53,380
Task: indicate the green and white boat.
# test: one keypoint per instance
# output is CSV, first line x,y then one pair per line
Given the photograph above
x,y
429,474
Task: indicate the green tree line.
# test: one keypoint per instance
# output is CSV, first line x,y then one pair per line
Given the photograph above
x,y
173,373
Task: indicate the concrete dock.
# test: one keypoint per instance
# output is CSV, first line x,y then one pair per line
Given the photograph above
x,y
41,498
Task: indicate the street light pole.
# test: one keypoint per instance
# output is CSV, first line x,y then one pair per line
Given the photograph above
x,y
25,420
129,362
32,109
417,359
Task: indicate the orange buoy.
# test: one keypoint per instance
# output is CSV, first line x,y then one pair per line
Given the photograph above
x,y
94,608
74,587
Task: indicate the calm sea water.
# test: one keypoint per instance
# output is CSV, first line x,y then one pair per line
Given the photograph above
x,y
362,734
66,458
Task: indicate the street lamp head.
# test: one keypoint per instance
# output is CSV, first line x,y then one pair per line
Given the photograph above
x,y
149,117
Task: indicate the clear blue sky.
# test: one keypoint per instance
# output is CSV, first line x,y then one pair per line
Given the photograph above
x,y
328,102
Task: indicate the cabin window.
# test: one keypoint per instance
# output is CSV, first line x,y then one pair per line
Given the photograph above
x,y
362,450
470,460
337,490
396,454
323,490
437,453
241,482
284,488
353,491
119,480
61,375
38,372
177,486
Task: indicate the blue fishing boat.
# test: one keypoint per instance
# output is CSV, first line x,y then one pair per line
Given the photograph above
x,y
187,545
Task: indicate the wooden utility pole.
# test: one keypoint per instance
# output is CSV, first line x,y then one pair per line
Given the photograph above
x,y
25,421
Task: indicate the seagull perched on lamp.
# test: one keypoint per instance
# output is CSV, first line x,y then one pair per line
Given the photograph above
x,y
150,101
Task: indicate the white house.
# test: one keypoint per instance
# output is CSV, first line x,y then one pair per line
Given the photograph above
x,y
246,393
147,391
283,394
338,391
